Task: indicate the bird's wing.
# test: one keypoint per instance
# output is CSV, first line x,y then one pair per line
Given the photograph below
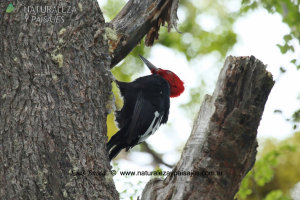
x,y
145,121
128,94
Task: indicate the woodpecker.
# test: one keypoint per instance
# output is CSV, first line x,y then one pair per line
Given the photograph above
x,y
146,107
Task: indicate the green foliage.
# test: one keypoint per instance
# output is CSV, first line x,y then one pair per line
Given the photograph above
x,y
290,12
274,173
264,168
194,39
296,116
112,7
10,8
261,174
157,173
276,195
245,190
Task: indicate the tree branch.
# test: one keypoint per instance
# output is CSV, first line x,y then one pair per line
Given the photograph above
x,y
157,158
137,19
223,138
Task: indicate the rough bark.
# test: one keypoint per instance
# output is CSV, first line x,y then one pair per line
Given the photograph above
x,y
54,88
136,19
223,138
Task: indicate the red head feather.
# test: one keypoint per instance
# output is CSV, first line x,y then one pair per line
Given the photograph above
x,y
176,85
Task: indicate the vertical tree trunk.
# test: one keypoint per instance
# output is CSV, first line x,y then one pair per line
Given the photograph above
x,y
54,88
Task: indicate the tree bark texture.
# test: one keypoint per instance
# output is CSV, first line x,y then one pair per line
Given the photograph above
x,y
223,139
55,84
136,19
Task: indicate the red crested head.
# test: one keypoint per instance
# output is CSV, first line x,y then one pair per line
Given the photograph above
x,y
176,85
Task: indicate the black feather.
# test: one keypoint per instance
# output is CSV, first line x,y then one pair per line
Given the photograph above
x,y
146,103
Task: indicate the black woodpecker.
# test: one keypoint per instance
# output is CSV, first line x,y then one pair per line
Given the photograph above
x,y
146,107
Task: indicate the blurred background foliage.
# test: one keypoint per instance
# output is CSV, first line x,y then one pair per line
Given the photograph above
x,y
277,169
290,12
275,173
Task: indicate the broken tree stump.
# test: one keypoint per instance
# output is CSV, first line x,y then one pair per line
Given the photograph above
x,y
222,146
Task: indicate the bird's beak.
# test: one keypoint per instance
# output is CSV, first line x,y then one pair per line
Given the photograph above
x,y
149,64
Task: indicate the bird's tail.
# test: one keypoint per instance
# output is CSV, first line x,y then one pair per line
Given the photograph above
x,y
115,151
113,140
115,145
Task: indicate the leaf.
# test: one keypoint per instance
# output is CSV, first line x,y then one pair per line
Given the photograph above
x,y
294,61
245,1
296,116
282,70
245,188
276,195
291,48
10,8
283,48
287,37
295,127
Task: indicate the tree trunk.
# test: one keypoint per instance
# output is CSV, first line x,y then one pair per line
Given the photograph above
x,y
222,146
54,89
